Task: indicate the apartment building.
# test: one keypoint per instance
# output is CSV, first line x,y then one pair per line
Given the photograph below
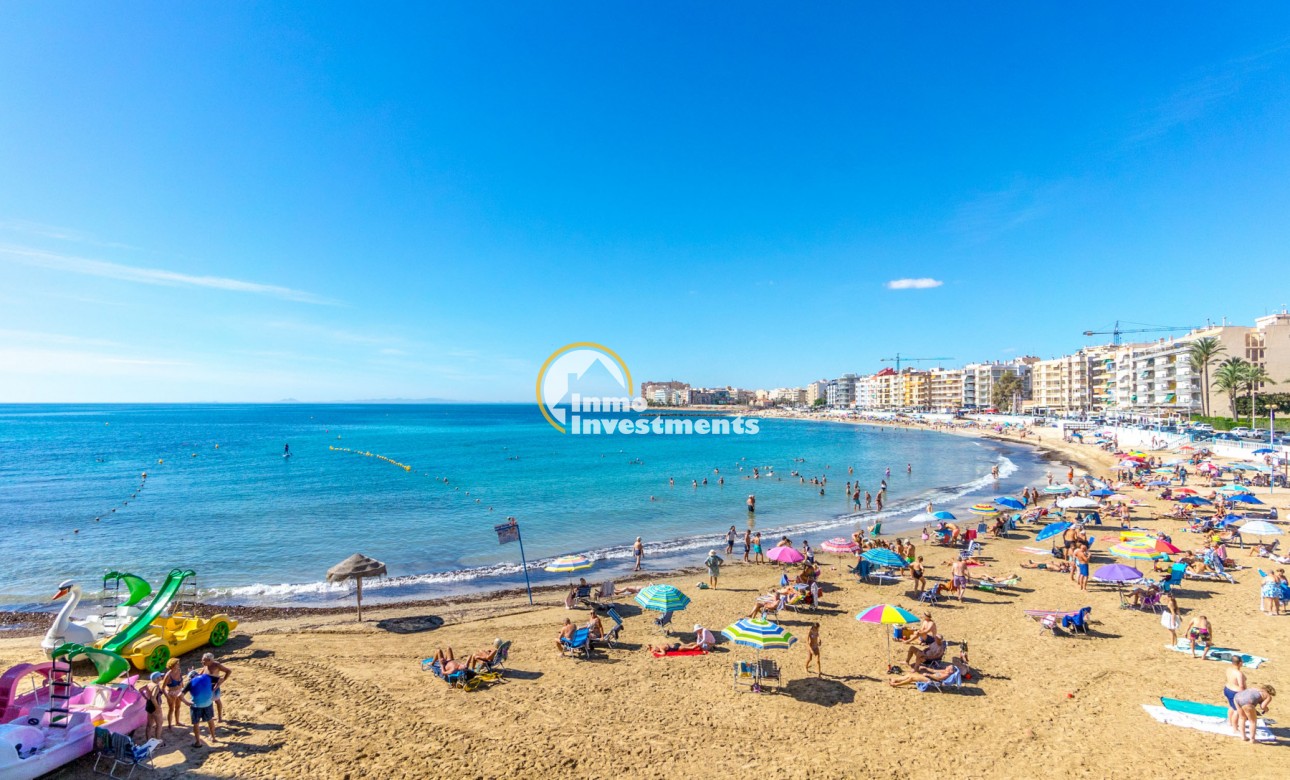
x,y
945,389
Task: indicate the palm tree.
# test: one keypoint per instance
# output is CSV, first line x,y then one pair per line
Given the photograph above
x,y
1200,353
1253,375
1230,379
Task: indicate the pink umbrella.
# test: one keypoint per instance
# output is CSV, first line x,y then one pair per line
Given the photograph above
x,y
840,546
785,554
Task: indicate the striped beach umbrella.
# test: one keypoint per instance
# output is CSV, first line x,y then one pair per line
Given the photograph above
x,y
887,615
984,509
759,634
1054,490
1259,528
567,563
881,556
839,546
1134,551
662,598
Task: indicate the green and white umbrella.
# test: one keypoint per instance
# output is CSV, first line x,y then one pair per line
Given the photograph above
x,y
662,598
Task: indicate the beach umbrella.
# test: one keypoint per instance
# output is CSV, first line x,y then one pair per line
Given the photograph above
x,y
1051,530
662,598
1102,493
1009,502
943,515
923,518
1244,498
1194,501
1053,490
759,634
1185,491
1117,573
1251,467
1134,551
1077,502
881,556
1260,528
785,554
984,509
887,615
839,546
567,563
1264,451
1162,546
356,567
1234,489
1157,482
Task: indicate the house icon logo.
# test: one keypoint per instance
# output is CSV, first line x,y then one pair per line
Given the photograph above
x,y
584,376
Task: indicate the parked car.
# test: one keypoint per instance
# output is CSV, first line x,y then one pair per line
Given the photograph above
x,y
1240,430
1206,427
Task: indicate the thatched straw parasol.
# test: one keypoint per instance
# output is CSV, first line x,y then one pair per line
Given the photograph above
x,y
356,567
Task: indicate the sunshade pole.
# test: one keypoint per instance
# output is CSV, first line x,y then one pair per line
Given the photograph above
x,y
524,564
359,582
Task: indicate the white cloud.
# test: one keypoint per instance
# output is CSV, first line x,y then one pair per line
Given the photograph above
x,y
925,283
155,276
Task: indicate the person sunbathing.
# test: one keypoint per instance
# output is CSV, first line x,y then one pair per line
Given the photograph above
x,y
485,657
926,628
930,675
595,627
703,640
447,663
1058,566
986,579
933,649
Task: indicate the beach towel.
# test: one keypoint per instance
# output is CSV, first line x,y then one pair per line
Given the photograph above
x,y
1214,725
1223,654
1037,550
691,651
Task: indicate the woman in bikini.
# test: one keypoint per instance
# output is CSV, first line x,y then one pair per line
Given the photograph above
x,y
813,649
172,683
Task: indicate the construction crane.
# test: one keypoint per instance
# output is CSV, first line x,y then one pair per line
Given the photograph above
x,y
1117,331
898,359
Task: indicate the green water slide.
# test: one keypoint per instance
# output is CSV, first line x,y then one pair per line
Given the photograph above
x,y
109,665
137,586
139,626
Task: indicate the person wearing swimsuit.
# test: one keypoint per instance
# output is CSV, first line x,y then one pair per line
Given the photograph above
x,y
172,684
1200,632
151,692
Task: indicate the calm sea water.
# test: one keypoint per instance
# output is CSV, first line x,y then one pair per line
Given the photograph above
x,y
260,528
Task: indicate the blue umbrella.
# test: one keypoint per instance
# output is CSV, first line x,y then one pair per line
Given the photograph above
x,y
1102,493
943,515
1264,451
881,556
1157,482
1051,530
1195,501
1244,499
1009,502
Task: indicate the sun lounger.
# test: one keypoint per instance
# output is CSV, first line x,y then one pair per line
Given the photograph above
x,y
1074,620
579,645
610,639
755,674
1224,654
498,664
465,679
121,751
991,586
955,680
663,621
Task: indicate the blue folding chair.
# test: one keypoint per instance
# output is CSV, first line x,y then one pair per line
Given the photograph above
x,y
579,645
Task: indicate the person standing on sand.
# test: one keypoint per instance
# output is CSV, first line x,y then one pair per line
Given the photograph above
x,y
1233,683
1170,618
201,706
713,564
747,544
813,649
868,500
958,577
219,675
756,548
638,550
1199,631
1249,702
730,540
1081,566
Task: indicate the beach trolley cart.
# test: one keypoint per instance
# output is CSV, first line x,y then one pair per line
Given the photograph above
x,y
757,675
759,634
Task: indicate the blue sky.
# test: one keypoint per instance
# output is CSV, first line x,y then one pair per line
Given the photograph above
x,y
254,202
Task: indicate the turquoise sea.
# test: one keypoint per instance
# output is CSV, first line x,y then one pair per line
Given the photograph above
x,y
260,528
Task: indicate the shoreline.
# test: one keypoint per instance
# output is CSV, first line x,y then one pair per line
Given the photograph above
x,y
20,623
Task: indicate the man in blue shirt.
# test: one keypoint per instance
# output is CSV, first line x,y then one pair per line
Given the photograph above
x,y
201,689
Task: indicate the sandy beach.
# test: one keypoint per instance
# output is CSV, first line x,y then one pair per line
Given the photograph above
x,y
315,694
